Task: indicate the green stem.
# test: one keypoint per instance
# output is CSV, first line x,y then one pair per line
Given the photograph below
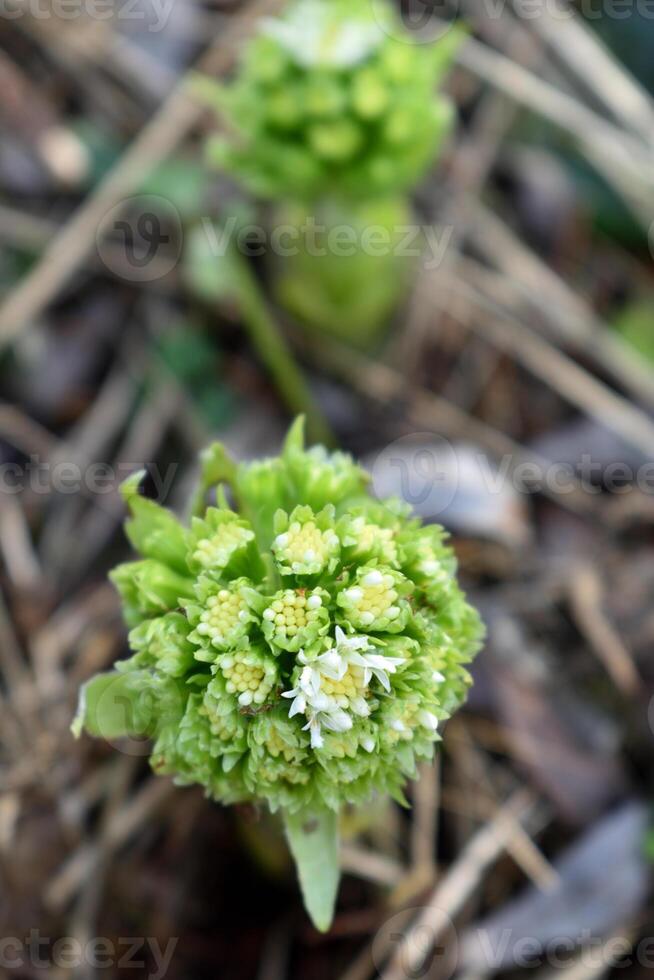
x,y
275,354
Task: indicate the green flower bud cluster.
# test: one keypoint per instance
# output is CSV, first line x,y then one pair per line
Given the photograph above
x,y
298,653
334,97
299,650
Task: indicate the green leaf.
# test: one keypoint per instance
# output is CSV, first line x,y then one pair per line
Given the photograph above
x,y
294,441
153,531
114,705
313,839
216,468
635,323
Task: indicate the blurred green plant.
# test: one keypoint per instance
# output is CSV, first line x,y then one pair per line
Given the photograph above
x,y
636,324
334,116
299,651
189,355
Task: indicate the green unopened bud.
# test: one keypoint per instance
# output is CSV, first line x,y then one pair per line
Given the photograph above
x,y
336,141
363,540
313,64
370,94
163,643
149,588
324,96
284,108
220,544
398,60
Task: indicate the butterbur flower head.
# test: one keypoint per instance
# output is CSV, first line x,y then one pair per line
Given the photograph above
x,y
332,97
300,650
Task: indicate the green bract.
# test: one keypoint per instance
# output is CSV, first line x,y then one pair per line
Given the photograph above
x,y
299,650
334,97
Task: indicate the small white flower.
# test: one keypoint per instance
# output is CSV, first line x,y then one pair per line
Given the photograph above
x,y
307,696
345,642
374,664
299,703
323,711
311,35
333,718
428,720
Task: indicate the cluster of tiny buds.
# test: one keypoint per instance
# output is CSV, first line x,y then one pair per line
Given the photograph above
x,y
224,612
292,611
216,551
373,597
346,688
305,545
371,535
245,680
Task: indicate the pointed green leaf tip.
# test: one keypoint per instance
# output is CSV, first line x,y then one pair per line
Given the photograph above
x,y
294,441
313,840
